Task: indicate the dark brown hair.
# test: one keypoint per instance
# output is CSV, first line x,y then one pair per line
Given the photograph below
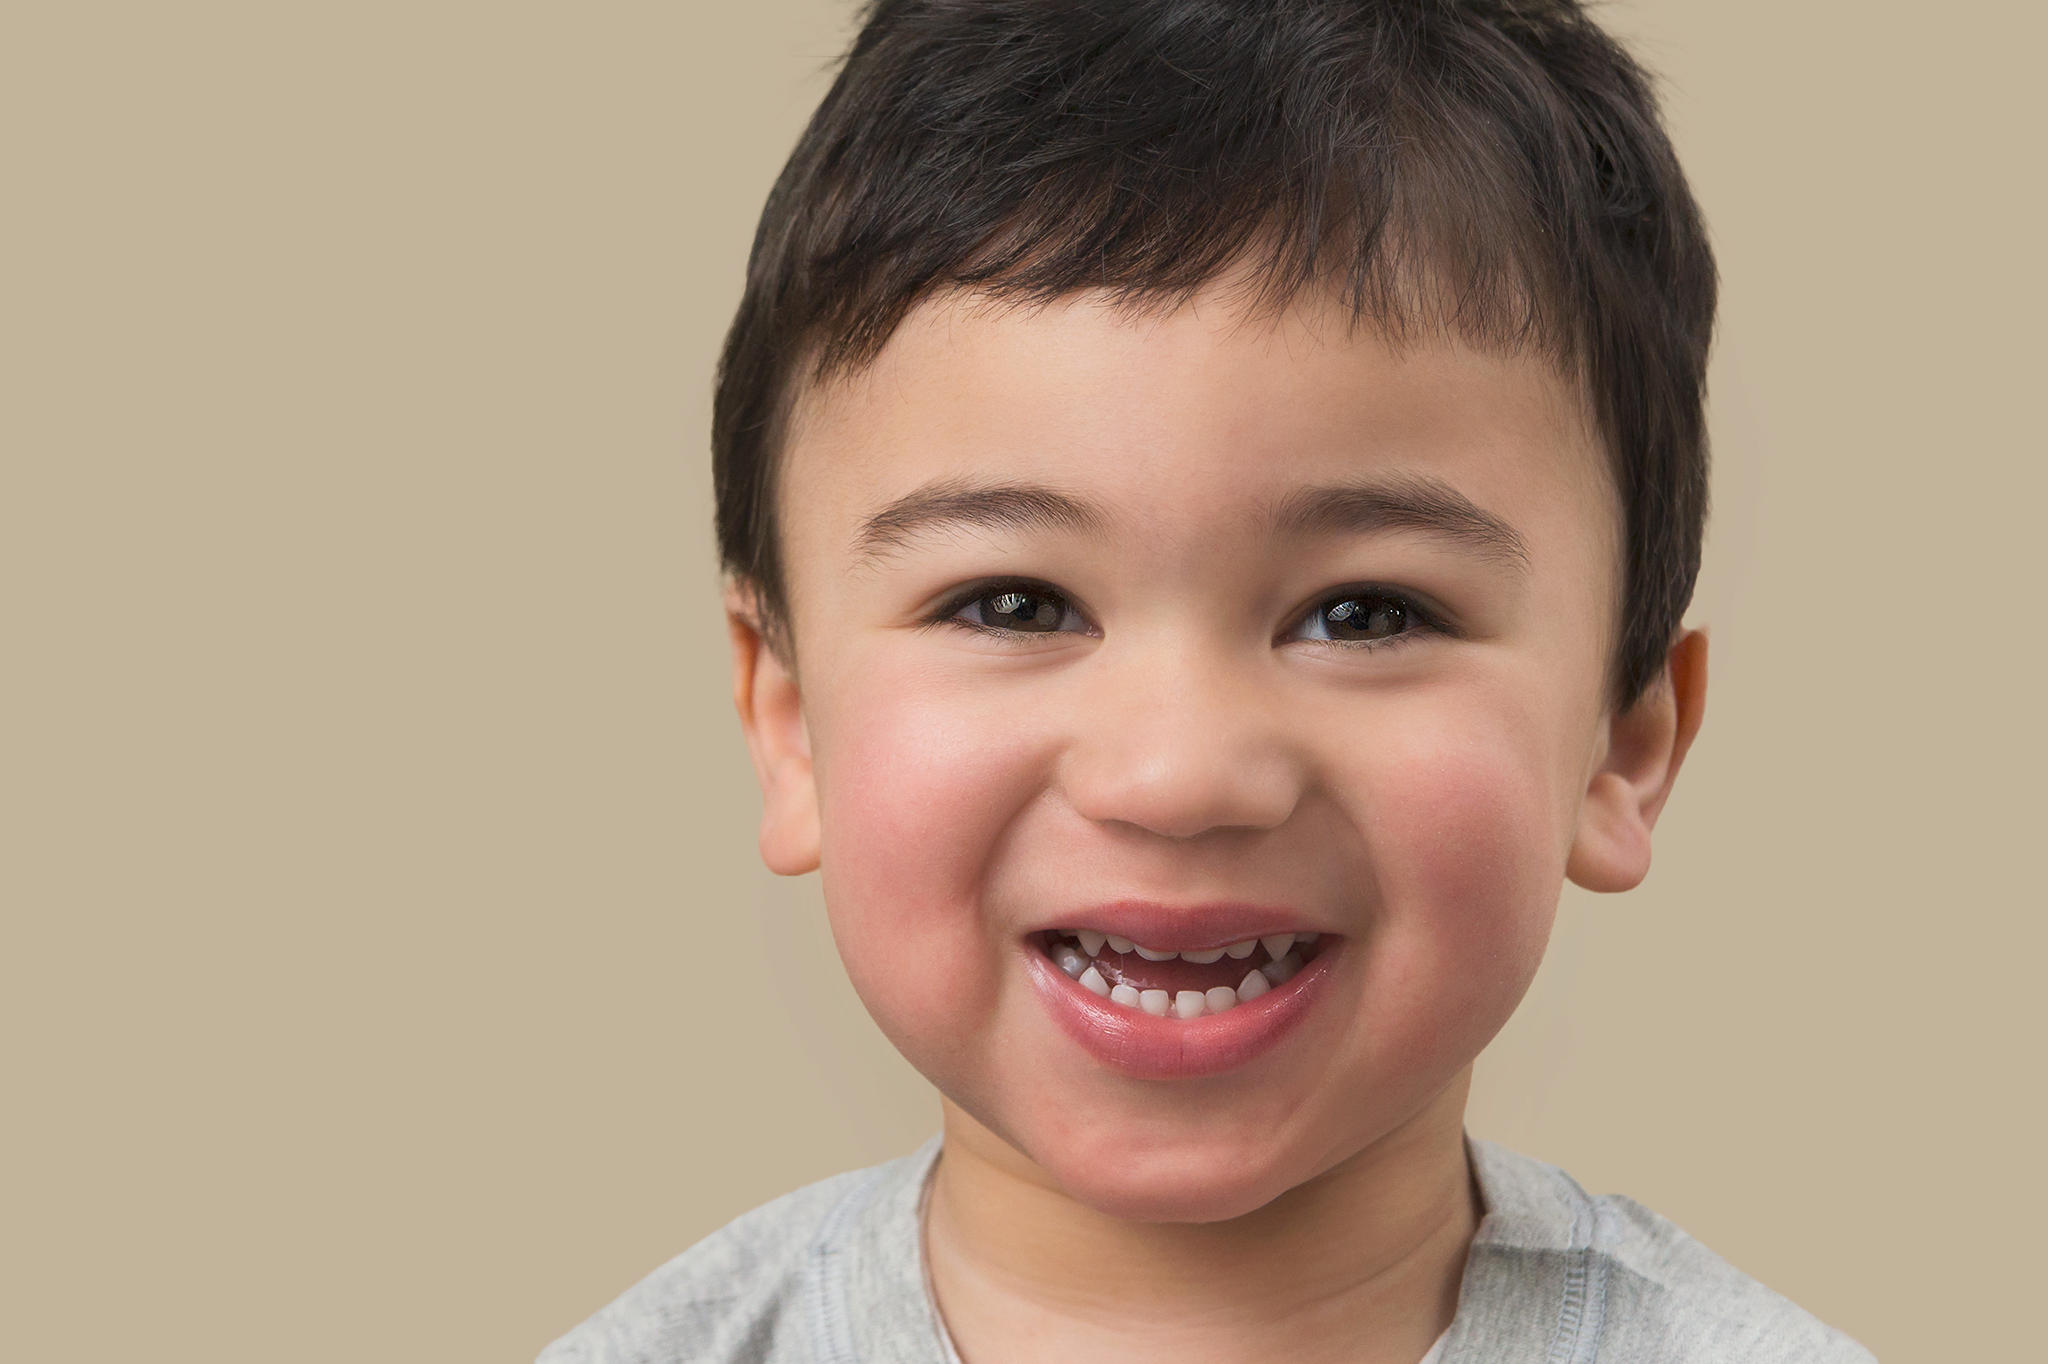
x,y
1493,169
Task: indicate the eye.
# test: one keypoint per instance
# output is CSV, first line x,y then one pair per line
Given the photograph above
x,y
1360,617
1018,609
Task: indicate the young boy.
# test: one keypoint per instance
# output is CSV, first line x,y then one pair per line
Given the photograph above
x,y
1209,489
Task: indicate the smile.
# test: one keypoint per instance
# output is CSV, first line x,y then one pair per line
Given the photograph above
x,y
1186,984
1227,992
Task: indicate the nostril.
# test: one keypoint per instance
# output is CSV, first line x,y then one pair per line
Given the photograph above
x,y
1198,790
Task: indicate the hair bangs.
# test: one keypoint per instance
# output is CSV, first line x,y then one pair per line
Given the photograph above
x,y
1490,170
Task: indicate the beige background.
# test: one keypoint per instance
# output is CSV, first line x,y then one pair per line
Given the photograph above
x,y
388,972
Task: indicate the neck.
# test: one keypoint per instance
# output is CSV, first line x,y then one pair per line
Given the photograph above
x,y
1361,1263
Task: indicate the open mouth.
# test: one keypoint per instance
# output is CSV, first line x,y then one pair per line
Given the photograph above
x,y
1184,984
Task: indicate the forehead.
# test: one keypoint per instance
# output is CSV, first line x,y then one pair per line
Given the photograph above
x,y
1182,422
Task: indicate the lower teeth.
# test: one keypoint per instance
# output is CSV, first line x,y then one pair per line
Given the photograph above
x,y
1185,1004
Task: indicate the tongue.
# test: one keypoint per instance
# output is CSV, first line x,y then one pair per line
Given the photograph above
x,y
1128,968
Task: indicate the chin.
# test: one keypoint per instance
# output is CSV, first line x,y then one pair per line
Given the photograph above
x,y
1189,1181
1184,1203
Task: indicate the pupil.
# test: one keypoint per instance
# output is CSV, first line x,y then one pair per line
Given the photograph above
x,y
1366,618
1024,611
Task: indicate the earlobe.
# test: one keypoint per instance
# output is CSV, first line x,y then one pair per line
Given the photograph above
x,y
770,705
1633,775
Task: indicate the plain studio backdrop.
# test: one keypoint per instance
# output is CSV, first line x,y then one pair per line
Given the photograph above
x,y
388,970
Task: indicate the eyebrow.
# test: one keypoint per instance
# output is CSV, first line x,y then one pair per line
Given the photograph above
x,y
957,503
1420,504
1413,504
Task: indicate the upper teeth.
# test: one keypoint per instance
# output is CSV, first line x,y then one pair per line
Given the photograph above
x,y
1092,943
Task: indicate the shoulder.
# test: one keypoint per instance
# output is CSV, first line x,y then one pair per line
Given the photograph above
x,y
1637,1289
737,1295
1682,1301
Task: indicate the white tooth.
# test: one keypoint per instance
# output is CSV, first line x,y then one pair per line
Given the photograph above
x,y
1117,944
1189,1004
1149,955
1154,1002
1092,978
1282,971
1278,944
1091,941
1252,986
1125,995
1070,961
1203,957
1220,998
1308,937
1238,951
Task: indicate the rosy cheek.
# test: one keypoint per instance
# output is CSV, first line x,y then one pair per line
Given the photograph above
x,y
915,790
1461,838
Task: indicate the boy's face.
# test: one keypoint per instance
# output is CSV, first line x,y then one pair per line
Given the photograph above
x,y
1193,630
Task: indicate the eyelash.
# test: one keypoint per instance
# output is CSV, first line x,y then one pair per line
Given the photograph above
x,y
949,612
1420,617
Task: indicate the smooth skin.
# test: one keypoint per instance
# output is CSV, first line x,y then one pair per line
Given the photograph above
x,y
1183,722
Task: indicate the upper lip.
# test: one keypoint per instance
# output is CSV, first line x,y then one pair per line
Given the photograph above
x,y
1183,928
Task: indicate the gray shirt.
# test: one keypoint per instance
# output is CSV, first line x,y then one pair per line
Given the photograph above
x,y
834,1274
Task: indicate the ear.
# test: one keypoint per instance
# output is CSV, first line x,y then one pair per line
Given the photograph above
x,y
1638,760
764,689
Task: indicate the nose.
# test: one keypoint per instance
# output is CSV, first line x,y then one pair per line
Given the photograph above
x,y
1180,745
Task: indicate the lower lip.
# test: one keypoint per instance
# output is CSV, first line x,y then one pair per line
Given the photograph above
x,y
1146,1047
